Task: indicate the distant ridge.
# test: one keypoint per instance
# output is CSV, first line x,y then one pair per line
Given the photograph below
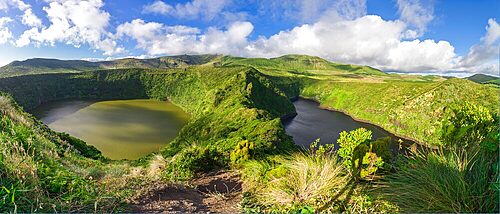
x,y
42,65
484,79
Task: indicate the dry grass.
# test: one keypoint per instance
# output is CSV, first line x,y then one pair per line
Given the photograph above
x,y
156,166
308,179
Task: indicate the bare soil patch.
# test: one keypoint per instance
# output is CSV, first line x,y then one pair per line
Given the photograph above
x,y
215,192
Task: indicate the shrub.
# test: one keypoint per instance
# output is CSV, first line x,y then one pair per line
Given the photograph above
x,y
381,148
348,141
467,125
241,152
184,165
365,162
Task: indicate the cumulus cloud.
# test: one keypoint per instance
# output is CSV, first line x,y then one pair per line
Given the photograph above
x,y
75,23
28,17
483,57
5,34
31,19
417,15
206,9
368,40
156,38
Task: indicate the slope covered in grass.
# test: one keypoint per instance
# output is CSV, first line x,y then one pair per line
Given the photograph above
x,y
483,78
411,109
235,106
301,64
39,65
40,171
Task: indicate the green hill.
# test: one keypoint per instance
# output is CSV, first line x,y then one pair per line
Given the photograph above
x,y
301,64
38,65
484,79
236,106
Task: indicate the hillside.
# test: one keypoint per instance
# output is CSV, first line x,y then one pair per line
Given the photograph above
x,y
235,107
245,105
301,64
484,79
38,65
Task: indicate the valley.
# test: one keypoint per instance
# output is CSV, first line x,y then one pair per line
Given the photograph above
x,y
237,109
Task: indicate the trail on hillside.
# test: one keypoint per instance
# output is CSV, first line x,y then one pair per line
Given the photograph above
x,y
217,192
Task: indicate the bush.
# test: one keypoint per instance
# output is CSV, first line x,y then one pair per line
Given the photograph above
x,y
381,148
467,125
348,141
242,152
365,162
184,165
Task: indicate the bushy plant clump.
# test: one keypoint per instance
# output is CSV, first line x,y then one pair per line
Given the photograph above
x,y
362,156
302,182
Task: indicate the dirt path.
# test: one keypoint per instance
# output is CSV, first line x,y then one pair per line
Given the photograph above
x,y
218,192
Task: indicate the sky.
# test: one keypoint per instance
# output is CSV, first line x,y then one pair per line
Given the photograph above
x,y
457,37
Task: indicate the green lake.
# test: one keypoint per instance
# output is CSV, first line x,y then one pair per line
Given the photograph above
x,y
120,129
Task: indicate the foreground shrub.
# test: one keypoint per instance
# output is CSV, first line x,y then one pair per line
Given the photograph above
x,y
241,152
348,141
362,156
184,165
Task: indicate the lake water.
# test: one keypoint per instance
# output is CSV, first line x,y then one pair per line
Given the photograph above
x,y
313,122
120,129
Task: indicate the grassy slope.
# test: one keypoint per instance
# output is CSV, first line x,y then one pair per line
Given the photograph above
x,y
408,105
412,109
42,172
482,78
38,65
228,105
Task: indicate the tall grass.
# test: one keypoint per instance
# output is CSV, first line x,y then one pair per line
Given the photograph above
x,y
444,181
304,180
307,180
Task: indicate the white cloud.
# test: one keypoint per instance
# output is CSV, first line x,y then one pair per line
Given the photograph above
x,y
206,9
158,7
483,57
75,23
28,17
368,40
417,15
5,34
157,39
31,19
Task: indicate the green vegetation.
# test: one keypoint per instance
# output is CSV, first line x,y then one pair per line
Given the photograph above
x,y
235,106
41,172
484,79
459,177
40,65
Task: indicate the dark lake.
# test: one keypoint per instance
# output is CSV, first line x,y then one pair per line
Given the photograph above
x,y
313,122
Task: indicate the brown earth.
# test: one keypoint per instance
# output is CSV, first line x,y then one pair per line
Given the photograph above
x,y
216,192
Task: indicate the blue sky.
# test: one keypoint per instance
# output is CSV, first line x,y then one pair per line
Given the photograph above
x,y
433,36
